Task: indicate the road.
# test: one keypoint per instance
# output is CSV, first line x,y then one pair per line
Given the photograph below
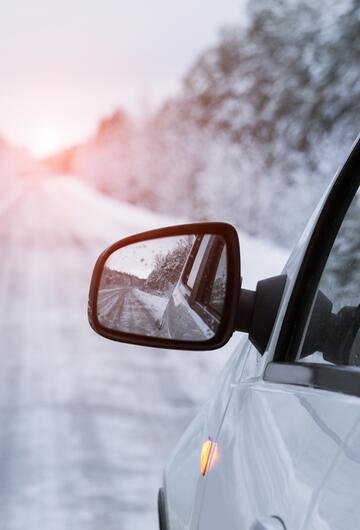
x,y
121,309
85,424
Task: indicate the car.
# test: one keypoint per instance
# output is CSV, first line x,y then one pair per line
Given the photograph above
x,y
276,446
196,302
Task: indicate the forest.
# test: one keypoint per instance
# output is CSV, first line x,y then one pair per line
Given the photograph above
x,y
256,131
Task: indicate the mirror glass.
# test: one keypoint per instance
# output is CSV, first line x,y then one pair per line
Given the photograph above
x,y
170,287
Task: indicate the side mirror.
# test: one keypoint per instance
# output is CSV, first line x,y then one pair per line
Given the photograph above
x,y
176,287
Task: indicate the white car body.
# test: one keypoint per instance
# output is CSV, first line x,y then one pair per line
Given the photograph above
x,y
288,454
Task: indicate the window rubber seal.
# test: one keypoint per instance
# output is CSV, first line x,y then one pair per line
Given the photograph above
x,y
335,378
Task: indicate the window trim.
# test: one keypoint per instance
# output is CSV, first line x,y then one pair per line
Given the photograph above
x,y
340,378
205,286
283,369
190,262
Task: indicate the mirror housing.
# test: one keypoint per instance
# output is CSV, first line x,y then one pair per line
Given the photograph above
x,y
252,312
227,322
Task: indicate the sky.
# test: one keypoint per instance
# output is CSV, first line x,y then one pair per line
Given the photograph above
x,y
138,259
65,64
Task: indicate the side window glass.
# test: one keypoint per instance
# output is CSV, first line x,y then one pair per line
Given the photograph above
x,y
218,287
332,332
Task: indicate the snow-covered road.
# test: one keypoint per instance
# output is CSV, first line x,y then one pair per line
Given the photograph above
x,y
85,424
128,309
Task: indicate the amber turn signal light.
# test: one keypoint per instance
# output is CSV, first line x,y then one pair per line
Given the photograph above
x,y
209,455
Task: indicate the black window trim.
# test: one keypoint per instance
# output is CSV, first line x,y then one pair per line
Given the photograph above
x,y
190,262
342,379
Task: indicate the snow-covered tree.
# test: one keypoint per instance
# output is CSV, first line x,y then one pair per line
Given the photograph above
x,y
258,128
168,267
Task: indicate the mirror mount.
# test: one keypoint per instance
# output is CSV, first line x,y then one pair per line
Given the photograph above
x,y
257,310
245,310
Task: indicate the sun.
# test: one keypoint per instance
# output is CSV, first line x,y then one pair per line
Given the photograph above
x,y
46,140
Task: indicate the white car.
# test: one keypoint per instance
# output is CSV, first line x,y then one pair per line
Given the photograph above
x,y
277,446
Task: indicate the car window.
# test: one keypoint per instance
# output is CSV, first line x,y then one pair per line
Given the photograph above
x,y
218,286
332,330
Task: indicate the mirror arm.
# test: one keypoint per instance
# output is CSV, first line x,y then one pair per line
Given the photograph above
x,y
245,311
257,310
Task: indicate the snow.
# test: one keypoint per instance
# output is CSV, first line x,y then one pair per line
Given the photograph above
x,y
86,424
15,162
155,304
259,259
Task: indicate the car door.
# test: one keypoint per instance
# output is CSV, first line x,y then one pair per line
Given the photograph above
x,y
288,451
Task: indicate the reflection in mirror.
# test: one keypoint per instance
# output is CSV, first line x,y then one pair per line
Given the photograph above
x,y
171,287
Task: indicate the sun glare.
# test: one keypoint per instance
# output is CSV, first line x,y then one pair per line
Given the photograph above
x,y
45,141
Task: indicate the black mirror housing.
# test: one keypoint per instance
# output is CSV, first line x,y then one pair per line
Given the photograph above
x,y
226,324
